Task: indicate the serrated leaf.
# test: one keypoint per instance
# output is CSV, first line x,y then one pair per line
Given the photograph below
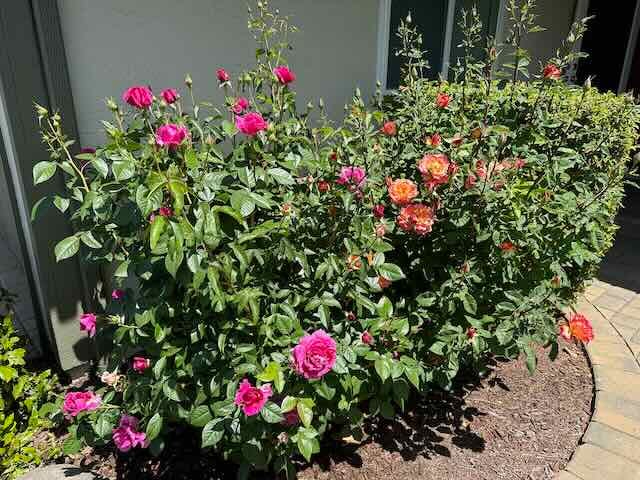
x,y
157,229
212,432
281,176
383,367
200,416
89,240
271,413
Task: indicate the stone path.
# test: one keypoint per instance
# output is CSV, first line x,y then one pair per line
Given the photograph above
x,y
610,448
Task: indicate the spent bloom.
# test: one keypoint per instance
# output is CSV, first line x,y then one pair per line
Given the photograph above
x,y
170,95
383,282
138,96
323,186
284,75
88,323
507,247
416,218
433,140
171,135
578,327
87,150
127,435
402,191
251,399
251,123
291,418
315,355
110,378
117,294
77,402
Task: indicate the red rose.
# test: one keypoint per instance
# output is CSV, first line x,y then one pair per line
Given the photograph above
x,y
390,129
552,72
378,211
323,186
442,100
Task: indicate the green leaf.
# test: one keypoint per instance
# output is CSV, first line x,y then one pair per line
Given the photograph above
x,y
469,303
281,176
229,128
288,404
7,373
157,228
307,446
200,416
89,240
271,413
43,171
212,432
123,169
385,308
103,426
67,248
71,446
391,271
61,204
101,167
154,427
383,367
305,412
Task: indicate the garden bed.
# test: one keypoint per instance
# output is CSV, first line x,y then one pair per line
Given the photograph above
x,y
508,425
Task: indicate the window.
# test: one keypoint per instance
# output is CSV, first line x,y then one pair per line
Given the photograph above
x,y
437,20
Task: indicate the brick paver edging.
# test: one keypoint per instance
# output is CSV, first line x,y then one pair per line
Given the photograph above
x,y
610,448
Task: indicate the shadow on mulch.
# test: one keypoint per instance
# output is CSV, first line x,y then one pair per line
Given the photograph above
x,y
508,425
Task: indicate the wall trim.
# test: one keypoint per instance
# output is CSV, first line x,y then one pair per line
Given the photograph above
x,y
630,51
448,38
384,27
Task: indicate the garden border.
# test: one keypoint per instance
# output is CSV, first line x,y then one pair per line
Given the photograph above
x,y
610,447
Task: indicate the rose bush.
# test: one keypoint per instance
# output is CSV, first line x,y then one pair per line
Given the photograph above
x,y
278,277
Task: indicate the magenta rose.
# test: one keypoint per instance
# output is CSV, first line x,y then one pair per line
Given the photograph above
x,y
251,123
222,75
88,323
378,210
138,96
127,435
251,399
171,135
76,402
240,105
366,338
315,355
170,95
140,364
117,294
352,176
284,75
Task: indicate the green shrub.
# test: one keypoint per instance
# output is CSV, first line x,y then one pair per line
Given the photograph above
x,y
23,396
447,225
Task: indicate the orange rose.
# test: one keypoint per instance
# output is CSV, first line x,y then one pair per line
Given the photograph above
x,y
383,282
402,191
434,169
417,218
354,262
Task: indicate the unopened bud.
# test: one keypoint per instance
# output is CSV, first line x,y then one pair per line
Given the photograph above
x,y
587,83
112,105
188,81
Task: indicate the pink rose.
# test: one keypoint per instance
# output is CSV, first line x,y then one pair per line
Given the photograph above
x,y
222,75
127,436
355,177
251,399
117,294
140,364
76,402
240,105
251,123
88,323
284,75
171,135
138,96
170,95
315,355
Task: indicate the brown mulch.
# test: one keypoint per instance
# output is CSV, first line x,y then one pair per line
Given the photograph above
x,y
509,425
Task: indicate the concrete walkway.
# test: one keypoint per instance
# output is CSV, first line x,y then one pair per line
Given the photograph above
x,y
610,448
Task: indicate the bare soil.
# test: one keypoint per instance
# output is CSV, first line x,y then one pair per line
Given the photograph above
x,y
509,425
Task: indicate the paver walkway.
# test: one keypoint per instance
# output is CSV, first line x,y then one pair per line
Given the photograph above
x,y
610,448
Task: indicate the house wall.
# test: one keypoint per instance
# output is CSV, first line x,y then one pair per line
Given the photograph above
x,y
113,44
